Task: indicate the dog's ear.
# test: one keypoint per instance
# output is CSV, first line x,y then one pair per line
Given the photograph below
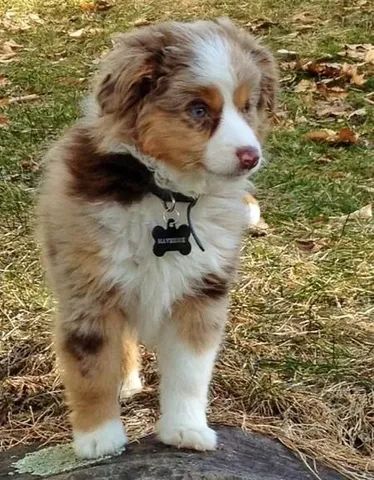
x,y
263,58
269,79
130,71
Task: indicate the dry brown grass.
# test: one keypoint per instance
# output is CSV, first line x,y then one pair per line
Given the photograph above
x,y
298,359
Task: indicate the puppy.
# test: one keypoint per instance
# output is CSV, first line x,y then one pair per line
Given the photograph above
x,y
141,216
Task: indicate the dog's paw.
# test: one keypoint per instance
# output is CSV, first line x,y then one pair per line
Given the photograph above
x,y
108,439
197,438
131,385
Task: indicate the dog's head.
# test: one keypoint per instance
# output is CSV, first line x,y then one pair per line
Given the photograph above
x,y
192,95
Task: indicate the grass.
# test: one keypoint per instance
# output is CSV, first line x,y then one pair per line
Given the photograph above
x,y
298,360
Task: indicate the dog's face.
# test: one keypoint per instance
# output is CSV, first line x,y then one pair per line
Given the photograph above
x,y
195,96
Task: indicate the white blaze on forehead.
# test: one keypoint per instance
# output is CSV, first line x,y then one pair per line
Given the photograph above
x,y
212,62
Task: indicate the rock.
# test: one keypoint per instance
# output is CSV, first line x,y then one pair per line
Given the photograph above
x,y
239,456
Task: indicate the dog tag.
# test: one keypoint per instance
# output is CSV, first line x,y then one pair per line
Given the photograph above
x,y
171,239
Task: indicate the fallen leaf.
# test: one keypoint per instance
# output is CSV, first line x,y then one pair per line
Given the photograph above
x,y
292,35
3,81
10,45
261,229
289,54
345,136
350,71
4,121
23,98
303,17
309,245
334,71
87,7
76,33
95,6
9,50
34,17
327,109
141,22
305,85
359,51
260,24
322,69
331,92
30,165
103,5
360,112
364,213
321,135
13,22
293,65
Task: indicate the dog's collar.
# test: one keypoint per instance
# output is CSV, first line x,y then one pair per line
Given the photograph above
x,y
137,170
168,197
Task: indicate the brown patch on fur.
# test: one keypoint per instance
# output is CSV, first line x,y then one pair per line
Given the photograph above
x,y
82,344
241,96
214,286
166,130
98,176
92,377
131,357
166,136
200,322
212,97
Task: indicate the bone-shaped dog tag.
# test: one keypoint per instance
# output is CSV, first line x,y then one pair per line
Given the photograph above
x,y
171,239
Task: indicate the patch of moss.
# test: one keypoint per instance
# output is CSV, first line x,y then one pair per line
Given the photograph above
x,y
53,460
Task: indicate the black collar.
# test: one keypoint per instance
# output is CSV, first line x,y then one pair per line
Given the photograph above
x,y
147,178
169,197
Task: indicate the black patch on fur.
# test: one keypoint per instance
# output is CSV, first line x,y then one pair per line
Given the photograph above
x,y
98,176
80,345
214,286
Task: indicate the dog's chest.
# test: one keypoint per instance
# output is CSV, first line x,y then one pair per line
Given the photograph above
x,y
151,284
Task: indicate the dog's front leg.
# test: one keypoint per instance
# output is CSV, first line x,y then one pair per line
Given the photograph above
x,y
187,349
89,353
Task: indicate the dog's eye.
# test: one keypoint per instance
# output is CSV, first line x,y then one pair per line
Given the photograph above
x,y
198,110
246,107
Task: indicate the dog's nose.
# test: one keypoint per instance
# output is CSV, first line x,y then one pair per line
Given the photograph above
x,y
248,157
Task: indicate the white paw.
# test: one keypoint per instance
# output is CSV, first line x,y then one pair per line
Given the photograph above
x,y
131,385
108,439
197,438
253,214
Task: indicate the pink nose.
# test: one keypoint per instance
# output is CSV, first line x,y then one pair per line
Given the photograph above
x,y
248,157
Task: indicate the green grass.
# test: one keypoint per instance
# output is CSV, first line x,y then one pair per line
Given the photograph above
x,y
298,361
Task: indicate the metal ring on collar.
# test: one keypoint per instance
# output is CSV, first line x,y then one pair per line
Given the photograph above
x,y
170,207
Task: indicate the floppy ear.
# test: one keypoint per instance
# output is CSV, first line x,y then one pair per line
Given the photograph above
x,y
129,72
263,58
269,79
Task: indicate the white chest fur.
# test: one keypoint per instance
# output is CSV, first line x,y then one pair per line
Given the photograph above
x,y
150,284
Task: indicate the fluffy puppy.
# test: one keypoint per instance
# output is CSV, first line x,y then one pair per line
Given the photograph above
x,y
179,111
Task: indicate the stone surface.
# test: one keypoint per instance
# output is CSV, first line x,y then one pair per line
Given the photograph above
x,y
239,456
